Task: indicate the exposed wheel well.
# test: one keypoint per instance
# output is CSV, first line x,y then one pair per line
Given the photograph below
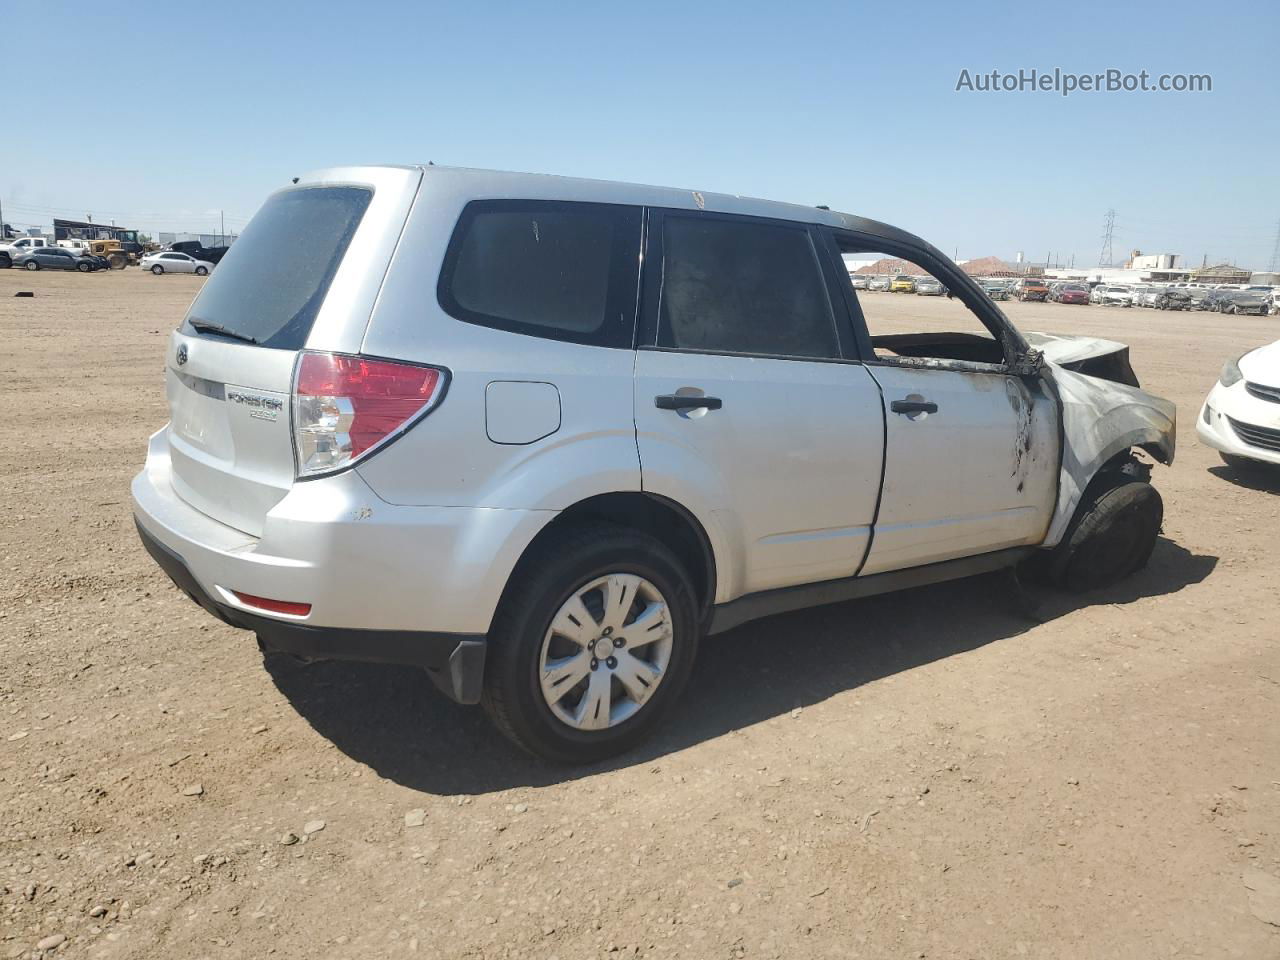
x,y
1121,468
662,518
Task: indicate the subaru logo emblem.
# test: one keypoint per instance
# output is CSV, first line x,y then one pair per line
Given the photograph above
x,y
182,354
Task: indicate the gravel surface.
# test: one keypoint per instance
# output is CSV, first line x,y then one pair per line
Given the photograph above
x,y
928,774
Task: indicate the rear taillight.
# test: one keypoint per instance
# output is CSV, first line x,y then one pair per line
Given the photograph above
x,y
344,406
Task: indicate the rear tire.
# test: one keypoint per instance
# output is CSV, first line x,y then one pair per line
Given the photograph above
x,y
1110,537
543,587
157,269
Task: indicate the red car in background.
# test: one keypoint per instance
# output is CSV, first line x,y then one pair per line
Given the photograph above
x,y
1073,293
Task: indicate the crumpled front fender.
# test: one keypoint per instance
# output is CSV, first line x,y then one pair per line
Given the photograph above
x,y
1102,419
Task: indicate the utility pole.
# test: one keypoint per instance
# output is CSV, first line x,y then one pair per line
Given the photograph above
x,y
1106,258
222,229
1274,265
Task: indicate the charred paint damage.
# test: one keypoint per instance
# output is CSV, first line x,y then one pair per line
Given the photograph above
x,y
1020,399
1104,416
1104,359
1102,413
1102,421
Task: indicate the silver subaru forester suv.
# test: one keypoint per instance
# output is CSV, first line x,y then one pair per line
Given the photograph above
x,y
538,436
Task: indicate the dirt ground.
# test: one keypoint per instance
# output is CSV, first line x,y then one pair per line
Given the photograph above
x,y
930,774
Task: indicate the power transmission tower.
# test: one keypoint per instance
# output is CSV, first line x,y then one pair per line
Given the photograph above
x,y
1106,257
1274,266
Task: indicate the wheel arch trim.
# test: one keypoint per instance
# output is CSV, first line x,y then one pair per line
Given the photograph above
x,y
695,542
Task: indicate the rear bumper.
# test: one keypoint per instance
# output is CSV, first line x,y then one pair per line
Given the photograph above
x,y
385,583
455,662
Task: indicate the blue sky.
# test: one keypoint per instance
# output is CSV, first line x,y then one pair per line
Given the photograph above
x,y
848,104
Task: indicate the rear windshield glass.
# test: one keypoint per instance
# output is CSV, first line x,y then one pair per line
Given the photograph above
x,y
273,279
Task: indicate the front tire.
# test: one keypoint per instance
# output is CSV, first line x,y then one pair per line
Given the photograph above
x,y
157,269
1110,537
202,271
592,644
84,267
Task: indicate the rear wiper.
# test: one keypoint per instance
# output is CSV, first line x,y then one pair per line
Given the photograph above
x,y
204,326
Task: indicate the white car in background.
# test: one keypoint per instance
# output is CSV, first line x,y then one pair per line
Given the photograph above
x,y
1116,295
167,261
1241,416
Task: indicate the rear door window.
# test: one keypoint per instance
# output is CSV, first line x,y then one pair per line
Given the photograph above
x,y
274,278
738,285
562,270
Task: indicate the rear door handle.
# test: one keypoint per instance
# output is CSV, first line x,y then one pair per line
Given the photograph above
x,y
913,406
677,401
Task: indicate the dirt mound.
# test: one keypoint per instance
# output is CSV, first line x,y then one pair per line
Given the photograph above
x,y
891,265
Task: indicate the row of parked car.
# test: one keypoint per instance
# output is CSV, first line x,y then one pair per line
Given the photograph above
x,y
63,258
1224,298
899,283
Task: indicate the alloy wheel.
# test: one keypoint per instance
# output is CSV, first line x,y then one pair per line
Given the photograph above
x,y
606,652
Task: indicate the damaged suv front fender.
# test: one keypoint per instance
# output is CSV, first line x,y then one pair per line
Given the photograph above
x,y
1102,420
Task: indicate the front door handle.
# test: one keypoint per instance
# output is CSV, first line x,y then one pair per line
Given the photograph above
x,y
678,401
913,406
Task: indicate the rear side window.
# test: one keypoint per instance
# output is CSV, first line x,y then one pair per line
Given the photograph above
x,y
562,270
743,286
272,281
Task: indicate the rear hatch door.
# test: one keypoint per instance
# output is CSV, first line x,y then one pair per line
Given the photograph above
x,y
304,274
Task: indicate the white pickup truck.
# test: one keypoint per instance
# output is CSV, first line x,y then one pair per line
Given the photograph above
x,y
11,251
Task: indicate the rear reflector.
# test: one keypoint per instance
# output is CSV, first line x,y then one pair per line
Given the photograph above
x,y
344,406
275,606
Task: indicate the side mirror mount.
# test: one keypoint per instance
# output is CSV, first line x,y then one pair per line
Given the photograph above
x,y
1029,364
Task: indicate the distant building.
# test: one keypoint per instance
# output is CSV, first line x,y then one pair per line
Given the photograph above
x,y
1152,261
1221,273
1269,279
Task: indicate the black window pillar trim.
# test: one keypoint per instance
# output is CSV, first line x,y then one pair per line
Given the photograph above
x,y
849,311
